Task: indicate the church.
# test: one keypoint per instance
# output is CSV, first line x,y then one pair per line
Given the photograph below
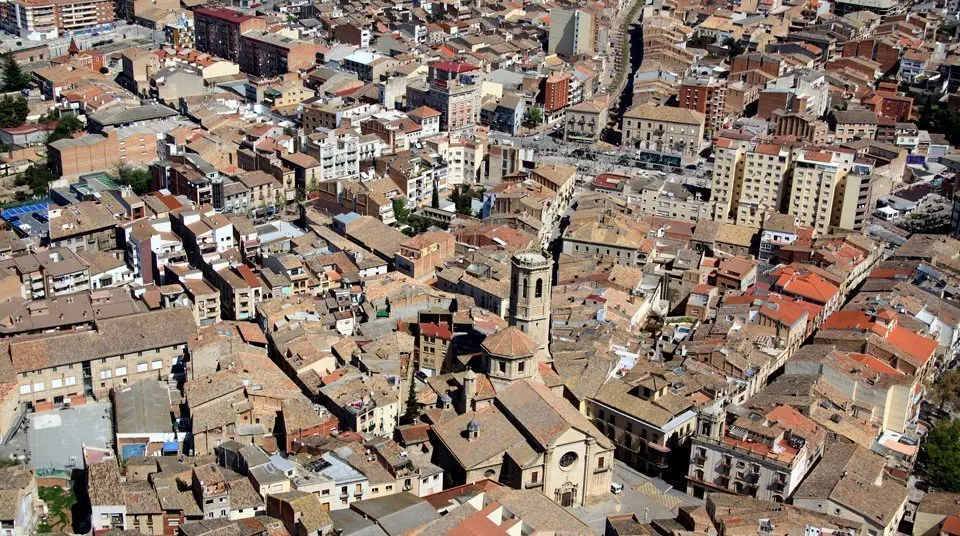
x,y
504,423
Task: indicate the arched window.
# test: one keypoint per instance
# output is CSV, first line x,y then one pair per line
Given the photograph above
x,y
538,290
526,285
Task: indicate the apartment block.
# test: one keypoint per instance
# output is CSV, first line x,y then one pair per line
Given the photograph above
x,y
39,20
707,96
572,32
265,54
218,30
120,351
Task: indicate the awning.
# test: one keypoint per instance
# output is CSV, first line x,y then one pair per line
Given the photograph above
x,y
171,446
659,448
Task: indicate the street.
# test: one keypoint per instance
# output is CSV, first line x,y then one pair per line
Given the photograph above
x,y
648,498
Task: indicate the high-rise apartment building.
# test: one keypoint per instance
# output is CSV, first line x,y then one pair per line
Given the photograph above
x,y
572,32
269,54
708,96
218,30
38,20
750,180
816,179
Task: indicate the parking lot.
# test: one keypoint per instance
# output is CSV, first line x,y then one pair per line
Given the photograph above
x,y
644,496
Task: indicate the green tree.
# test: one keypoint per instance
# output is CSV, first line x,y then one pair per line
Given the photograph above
x,y
734,47
14,79
37,178
13,111
945,392
400,210
534,115
412,410
940,456
66,128
139,179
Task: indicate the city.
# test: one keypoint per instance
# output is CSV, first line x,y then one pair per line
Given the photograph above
x,y
342,268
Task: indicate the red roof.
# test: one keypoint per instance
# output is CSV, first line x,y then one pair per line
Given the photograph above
x,y
454,66
913,344
951,525
804,284
436,331
227,15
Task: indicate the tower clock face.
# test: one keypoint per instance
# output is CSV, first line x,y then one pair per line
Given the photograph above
x,y
568,459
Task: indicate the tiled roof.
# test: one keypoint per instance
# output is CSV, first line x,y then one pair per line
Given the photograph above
x,y
510,342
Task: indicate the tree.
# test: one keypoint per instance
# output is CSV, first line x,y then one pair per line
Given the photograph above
x,y
37,178
534,115
66,128
734,47
13,111
940,456
14,79
945,391
400,210
412,411
138,179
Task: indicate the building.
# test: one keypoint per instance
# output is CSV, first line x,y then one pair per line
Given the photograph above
x,y
91,363
664,129
643,419
851,125
851,482
452,90
39,20
585,122
143,423
18,486
266,54
365,405
556,96
879,7
530,287
218,30
707,96
572,32
817,180
565,457
761,453
750,180
420,255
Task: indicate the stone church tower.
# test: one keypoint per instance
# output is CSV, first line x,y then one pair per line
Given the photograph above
x,y
530,275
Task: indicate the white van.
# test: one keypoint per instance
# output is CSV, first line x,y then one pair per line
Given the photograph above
x,y
616,488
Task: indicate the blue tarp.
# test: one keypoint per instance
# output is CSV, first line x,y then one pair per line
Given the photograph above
x,y
171,446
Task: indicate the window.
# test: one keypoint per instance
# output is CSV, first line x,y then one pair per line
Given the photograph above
x,y
600,462
503,367
141,367
568,459
121,371
538,289
525,287
534,477
71,380
521,366
156,364
56,384
358,489
24,389
37,387
104,374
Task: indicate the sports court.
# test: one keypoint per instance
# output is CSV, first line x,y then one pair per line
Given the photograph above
x,y
55,438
